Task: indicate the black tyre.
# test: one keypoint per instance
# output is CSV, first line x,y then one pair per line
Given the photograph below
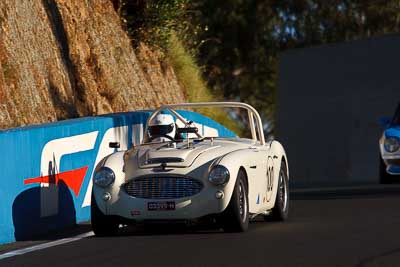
x,y
102,225
384,177
236,216
280,211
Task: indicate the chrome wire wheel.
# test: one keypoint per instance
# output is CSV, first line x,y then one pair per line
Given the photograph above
x,y
280,211
235,218
283,192
242,201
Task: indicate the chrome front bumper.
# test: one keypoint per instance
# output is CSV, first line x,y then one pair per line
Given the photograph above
x,y
122,204
392,165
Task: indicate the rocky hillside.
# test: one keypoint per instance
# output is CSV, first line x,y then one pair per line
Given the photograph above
x,y
70,58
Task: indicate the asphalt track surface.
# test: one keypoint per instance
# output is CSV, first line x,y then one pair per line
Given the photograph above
x,y
351,229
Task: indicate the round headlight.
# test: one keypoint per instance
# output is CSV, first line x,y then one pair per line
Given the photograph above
x,y
219,175
392,144
104,177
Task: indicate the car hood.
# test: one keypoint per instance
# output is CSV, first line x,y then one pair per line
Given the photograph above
x,y
180,154
393,131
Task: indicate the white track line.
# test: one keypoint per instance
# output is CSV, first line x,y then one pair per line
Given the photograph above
x,y
45,245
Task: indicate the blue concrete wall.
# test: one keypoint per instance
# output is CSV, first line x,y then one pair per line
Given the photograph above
x,y
45,170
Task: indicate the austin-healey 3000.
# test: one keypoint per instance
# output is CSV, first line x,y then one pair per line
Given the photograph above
x,y
177,173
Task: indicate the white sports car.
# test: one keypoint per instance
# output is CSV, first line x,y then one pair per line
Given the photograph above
x,y
178,174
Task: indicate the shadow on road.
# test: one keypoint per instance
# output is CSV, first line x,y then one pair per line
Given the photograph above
x,y
158,229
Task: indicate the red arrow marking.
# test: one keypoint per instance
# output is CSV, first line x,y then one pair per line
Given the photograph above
x,y
73,179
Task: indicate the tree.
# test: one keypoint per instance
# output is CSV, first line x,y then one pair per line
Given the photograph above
x,y
241,40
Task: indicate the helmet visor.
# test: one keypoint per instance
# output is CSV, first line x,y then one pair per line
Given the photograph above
x,y
160,129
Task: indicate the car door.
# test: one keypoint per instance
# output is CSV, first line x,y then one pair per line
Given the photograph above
x,y
261,169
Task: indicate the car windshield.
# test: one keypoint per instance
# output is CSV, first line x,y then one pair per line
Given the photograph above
x,y
181,122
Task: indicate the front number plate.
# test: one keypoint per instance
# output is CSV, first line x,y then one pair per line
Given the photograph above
x,y
166,205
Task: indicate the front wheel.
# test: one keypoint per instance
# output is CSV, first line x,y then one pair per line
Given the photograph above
x,y
280,211
102,225
384,177
236,216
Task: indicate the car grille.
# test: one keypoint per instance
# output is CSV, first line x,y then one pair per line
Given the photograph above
x,y
163,187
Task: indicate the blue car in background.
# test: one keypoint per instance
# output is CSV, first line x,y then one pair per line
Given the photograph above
x,y
389,145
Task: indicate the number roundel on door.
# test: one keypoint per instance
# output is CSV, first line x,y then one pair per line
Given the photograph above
x,y
270,177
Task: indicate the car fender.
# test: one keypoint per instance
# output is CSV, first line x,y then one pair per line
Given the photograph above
x,y
234,161
279,156
279,151
115,162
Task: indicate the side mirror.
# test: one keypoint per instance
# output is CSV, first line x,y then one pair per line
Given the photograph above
x,y
385,122
113,145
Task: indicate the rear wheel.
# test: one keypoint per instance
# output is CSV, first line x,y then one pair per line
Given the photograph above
x,y
236,216
102,225
384,177
280,211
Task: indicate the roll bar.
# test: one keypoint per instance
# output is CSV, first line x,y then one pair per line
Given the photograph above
x,y
252,114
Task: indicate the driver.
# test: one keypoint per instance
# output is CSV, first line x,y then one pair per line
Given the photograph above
x,y
162,128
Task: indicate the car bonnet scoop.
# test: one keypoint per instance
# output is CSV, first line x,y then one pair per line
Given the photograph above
x,y
164,160
174,157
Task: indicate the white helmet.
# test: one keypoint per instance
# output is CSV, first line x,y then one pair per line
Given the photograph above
x,y
161,126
